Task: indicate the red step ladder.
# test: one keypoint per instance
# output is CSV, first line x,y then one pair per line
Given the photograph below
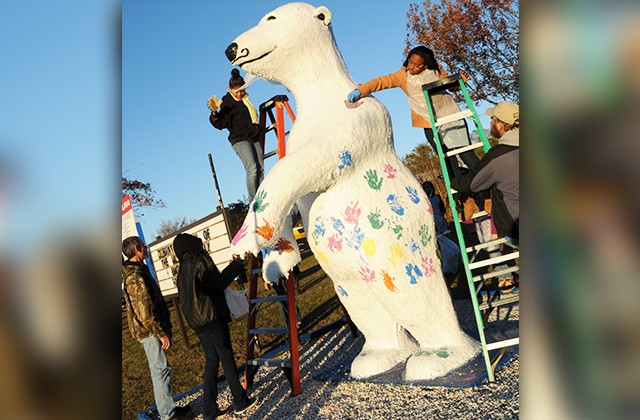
x,y
291,366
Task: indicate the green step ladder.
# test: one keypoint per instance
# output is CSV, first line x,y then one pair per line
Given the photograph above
x,y
484,255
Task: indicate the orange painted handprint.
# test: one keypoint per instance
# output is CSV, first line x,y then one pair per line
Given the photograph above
x,y
266,231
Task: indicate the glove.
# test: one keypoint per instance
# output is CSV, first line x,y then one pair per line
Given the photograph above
x,y
214,103
354,95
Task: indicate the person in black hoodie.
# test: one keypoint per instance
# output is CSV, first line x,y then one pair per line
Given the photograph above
x,y
238,115
201,293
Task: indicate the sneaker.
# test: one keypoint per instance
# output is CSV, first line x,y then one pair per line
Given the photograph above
x,y
250,403
219,413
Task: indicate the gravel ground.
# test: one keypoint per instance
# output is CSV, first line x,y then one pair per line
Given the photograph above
x,y
362,400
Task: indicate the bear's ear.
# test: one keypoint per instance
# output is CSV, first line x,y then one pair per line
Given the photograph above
x,y
323,14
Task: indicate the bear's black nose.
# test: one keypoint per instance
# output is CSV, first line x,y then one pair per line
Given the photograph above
x,y
231,51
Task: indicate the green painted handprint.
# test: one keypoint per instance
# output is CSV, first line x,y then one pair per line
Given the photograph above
x,y
397,229
258,203
374,219
425,236
373,180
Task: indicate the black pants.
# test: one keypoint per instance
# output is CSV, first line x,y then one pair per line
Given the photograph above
x,y
216,344
469,157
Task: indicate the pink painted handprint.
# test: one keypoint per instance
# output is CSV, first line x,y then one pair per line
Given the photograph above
x,y
241,234
367,274
390,171
352,214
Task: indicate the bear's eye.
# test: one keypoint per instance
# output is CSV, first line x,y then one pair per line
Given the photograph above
x,y
271,18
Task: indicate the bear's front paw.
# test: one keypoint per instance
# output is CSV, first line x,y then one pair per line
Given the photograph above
x,y
279,261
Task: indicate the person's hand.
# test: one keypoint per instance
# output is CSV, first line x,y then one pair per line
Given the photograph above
x,y
465,76
354,95
166,342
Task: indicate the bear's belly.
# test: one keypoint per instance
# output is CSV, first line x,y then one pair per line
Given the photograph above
x,y
377,222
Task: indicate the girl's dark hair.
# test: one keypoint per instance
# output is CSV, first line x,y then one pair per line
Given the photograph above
x,y
428,188
427,56
236,80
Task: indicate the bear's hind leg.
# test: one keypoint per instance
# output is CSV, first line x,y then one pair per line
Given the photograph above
x,y
437,360
386,343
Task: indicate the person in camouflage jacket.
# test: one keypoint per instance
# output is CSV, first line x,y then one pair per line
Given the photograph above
x,y
150,324
147,312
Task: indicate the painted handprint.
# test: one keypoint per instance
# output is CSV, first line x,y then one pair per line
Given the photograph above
x,y
374,219
388,281
258,202
413,194
345,159
352,214
266,230
335,243
427,266
397,229
412,278
319,227
373,180
367,274
284,245
425,236
395,205
337,225
241,234
354,240
390,171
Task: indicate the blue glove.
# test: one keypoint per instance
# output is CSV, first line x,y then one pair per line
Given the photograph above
x,y
354,95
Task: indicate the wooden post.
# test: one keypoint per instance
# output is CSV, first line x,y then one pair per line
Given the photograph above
x,y
293,335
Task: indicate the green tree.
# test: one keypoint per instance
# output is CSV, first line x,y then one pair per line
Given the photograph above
x,y
237,211
167,227
142,195
479,37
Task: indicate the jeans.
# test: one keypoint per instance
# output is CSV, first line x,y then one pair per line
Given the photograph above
x,y
469,157
216,344
252,158
159,367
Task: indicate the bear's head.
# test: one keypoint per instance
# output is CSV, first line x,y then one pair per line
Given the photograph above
x,y
294,39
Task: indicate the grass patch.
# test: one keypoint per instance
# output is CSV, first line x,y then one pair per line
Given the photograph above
x,y
318,304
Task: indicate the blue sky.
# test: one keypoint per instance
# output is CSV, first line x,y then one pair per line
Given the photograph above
x,y
77,111
173,60
59,118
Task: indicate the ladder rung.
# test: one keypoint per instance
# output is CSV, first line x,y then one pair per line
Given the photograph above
x,y
271,153
486,244
269,362
277,298
500,302
464,149
504,343
498,273
271,127
454,117
496,260
274,330
442,84
479,214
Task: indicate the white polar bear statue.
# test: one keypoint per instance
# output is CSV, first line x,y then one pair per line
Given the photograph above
x,y
367,219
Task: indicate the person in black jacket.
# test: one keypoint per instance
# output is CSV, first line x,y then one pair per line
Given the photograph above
x,y
201,294
238,115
